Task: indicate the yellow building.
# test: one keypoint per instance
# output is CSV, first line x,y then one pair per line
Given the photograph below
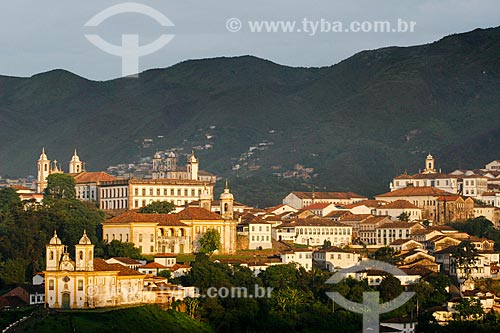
x,y
87,282
175,233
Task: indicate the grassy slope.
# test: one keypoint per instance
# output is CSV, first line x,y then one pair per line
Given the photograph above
x,y
138,319
358,123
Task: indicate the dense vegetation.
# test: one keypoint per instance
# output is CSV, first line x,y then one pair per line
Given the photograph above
x,y
298,301
480,227
25,229
357,123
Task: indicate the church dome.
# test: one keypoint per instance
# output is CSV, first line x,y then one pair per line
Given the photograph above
x,y
429,157
171,154
75,157
192,158
55,240
85,240
226,195
157,156
43,157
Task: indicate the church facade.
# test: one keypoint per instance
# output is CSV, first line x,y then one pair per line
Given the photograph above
x,y
87,282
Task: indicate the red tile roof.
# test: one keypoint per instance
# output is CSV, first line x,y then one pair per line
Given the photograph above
x,y
92,177
127,260
169,220
415,191
399,204
328,195
154,265
101,265
319,205
197,213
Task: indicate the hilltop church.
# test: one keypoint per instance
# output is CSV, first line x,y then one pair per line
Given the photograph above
x,y
45,168
87,282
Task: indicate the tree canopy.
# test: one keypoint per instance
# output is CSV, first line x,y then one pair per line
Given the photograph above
x,y
159,207
210,242
60,186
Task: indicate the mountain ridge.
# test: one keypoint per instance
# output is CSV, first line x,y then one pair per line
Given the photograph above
x,y
358,123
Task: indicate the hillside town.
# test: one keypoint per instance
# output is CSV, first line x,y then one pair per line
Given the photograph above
x,y
327,231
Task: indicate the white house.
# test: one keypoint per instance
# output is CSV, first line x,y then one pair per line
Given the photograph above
x,y
396,208
302,257
258,231
334,258
300,200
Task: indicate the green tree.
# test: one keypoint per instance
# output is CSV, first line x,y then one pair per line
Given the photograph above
x,y
9,199
326,244
115,248
390,288
165,273
465,257
386,254
192,305
60,186
468,309
13,271
210,242
404,217
158,207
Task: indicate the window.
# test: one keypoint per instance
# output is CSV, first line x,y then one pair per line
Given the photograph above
x,y
143,192
51,284
140,237
151,249
152,238
51,255
151,191
158,192
80,285
80,255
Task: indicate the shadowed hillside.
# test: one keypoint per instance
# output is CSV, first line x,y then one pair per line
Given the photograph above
x,y
357,123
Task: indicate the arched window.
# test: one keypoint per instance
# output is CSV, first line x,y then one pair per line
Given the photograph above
x,y
51,255
80,254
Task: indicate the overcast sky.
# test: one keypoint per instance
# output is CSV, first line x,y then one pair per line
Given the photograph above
x,y
36,36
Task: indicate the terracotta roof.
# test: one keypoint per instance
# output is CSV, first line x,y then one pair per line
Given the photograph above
x,y
489,194
101,265
153,265
127,260
367,203
436,175
20,188
167,181
338,213
197,213
399,204
415,191
328,195
92,177
355,217
319,205
376,219
133,216
252,219
178,266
